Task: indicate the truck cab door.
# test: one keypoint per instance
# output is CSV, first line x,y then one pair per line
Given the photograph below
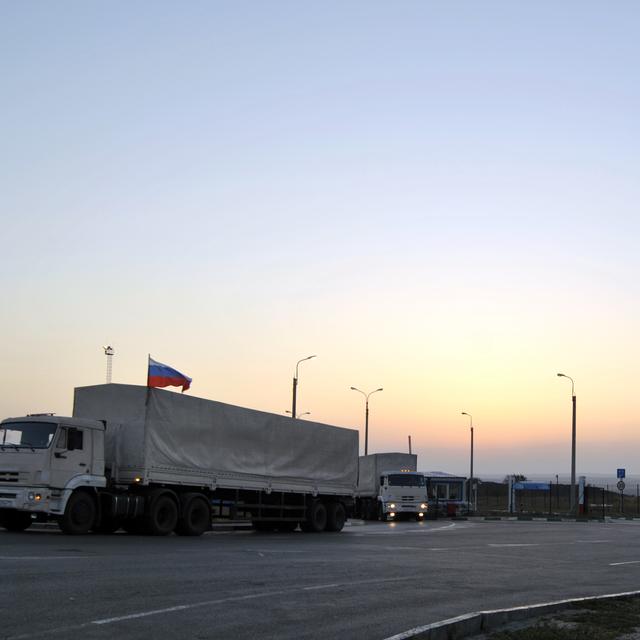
x,y
71,455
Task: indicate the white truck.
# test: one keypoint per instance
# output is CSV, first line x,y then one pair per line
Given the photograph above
x,y
390,488
153,461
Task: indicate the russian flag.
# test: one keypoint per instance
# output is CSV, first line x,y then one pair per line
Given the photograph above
x,y
162,375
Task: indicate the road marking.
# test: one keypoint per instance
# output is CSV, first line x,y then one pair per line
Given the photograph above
x,y
186,607
592,541
43,557
253,596
515,544
321,586
617,564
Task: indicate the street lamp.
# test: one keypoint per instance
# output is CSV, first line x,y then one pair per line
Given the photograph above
x,y
471,491
366,416
295,386
573,444
306,413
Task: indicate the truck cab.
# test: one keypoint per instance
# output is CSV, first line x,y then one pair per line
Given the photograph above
x,y
402,493
43,459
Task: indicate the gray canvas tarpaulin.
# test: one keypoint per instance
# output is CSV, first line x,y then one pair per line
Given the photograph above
x,y
161,432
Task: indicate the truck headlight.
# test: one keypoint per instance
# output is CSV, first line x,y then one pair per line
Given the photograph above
x,y
392,505
423,506
392,515
31,496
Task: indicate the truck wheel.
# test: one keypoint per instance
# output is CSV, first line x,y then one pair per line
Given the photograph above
x,y
195,519
163,516
316,518
15,520
79,515
336,516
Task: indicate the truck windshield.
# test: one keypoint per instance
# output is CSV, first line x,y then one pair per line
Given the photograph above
x,y
32,435
406,480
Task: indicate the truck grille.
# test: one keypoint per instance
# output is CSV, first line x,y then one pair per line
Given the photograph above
x,y
11,496
408,499
8,476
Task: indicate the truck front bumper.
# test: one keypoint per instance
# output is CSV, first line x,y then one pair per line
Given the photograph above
x,y
33,499
395,510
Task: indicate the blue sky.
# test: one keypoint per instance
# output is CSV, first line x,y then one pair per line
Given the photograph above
x,y
439,197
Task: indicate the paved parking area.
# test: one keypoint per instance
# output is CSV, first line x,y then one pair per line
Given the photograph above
x,y
370,581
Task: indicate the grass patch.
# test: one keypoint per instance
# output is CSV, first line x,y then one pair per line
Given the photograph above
x,y
595,620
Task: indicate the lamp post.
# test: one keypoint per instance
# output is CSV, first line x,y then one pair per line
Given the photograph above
x,y
471,490
108,351
295,386
572,499
366,416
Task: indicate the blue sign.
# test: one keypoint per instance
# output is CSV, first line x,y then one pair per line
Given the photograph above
x,y
621,473
531,486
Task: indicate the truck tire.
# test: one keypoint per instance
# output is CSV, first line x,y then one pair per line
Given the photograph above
x,y
316,518
79,515
163,516
336,516
195,518
15,520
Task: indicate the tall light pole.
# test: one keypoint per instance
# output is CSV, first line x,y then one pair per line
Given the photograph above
x,y
366,416
295,386
108,351
471,491
572,499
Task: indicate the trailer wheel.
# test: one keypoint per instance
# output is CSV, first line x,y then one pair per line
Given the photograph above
x,y
79,515
316,518
163,516
336,516
15,520
195,519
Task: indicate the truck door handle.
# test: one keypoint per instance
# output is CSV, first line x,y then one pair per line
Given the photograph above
x,y
82,464
59,455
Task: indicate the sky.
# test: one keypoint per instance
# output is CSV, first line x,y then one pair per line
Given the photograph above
x,y
436,198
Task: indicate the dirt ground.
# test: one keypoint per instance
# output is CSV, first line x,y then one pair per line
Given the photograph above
x,y
597,620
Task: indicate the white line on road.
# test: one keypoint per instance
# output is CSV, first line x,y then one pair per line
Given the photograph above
x,y
185,607
515,544
44,557
321,586
253,596
617,564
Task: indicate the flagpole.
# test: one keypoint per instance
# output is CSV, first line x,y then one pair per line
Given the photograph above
x,y
146,402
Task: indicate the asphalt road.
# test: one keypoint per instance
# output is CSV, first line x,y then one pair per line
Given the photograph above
x,y
370,581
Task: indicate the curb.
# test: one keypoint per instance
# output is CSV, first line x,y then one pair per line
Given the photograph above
x,y
480,621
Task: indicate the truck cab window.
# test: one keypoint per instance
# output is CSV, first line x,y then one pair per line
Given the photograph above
x,y
75,439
